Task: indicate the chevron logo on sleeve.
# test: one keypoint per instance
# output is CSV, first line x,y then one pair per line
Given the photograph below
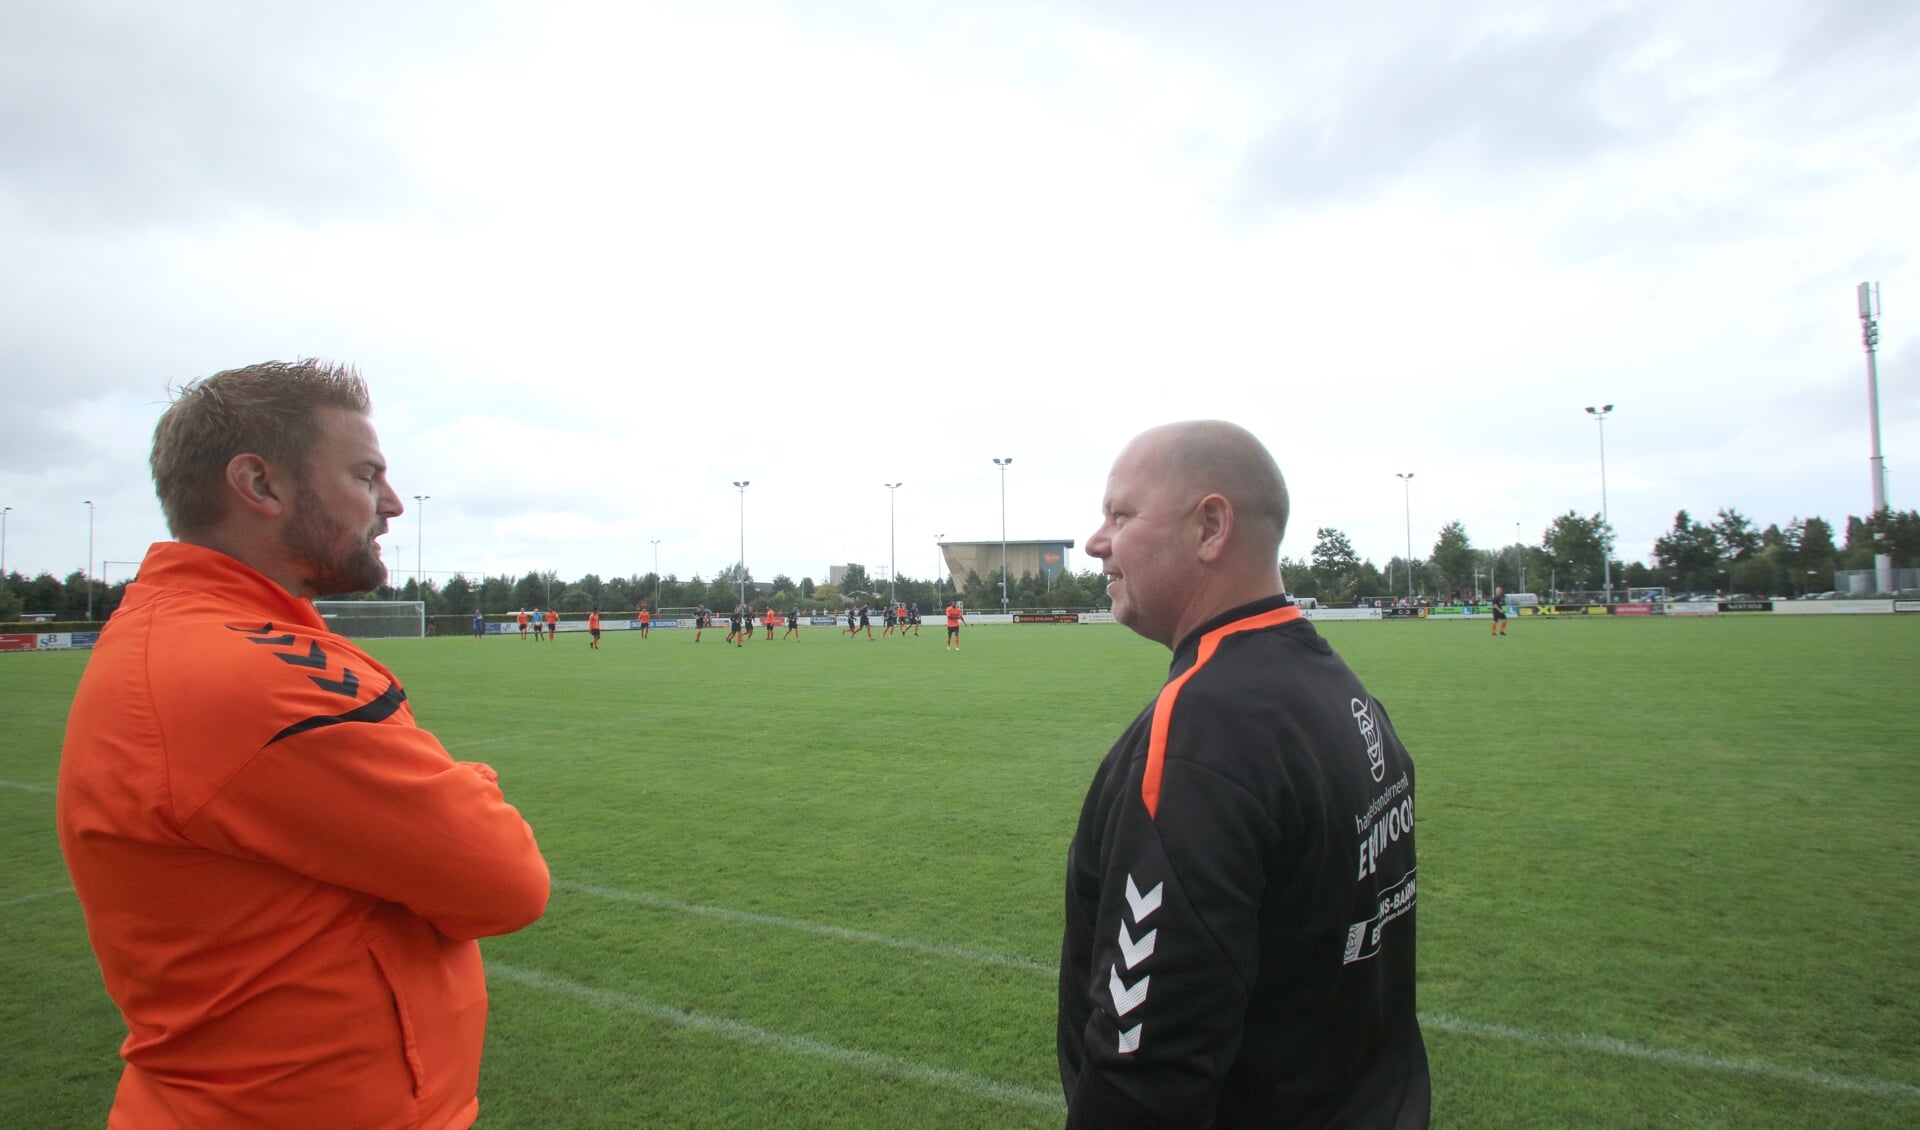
x,y
1142,905
1127,997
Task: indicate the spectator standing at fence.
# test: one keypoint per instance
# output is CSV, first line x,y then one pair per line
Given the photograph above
x,y
282,874
1239,939
479,624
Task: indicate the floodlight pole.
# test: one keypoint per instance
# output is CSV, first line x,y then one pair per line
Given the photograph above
x,y
1869,296
4,511
892,585
656,572
1523,557
1003,464
1406,484
89,559
743,484
419,546
1606,522
939,563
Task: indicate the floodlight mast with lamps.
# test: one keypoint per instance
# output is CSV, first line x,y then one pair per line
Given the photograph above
x,y
1406,483
892,586
1870,311
743,484
89,559
1003,464
419,545
1606,522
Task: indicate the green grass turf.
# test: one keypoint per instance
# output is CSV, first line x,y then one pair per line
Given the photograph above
x,y
1668,871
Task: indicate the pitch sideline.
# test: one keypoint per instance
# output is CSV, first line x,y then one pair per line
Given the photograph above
x,y
947,1077
1439,1021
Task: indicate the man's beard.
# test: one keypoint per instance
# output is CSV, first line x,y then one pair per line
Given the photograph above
x,y
335,559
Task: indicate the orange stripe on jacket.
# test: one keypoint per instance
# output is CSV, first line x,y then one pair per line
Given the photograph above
x,y
1163,706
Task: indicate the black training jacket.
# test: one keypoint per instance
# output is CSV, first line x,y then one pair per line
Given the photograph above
x,y
1239,944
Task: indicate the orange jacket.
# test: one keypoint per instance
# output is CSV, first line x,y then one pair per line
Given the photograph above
x,y
282,875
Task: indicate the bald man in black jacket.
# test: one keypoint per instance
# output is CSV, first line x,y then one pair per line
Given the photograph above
x,y
1239,943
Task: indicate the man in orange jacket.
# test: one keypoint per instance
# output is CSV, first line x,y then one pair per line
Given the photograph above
x,y
283,876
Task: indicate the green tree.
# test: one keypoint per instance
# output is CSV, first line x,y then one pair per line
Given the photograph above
x,y
1580,546
457,596
1689,553
1299,578
1451,567
855,581
1737,538
1334,564
9,605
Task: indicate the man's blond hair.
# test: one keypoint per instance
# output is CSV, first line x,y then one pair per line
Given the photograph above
x,y
267,410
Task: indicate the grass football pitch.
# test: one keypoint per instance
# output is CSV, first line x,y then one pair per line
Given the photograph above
x,y
1670,871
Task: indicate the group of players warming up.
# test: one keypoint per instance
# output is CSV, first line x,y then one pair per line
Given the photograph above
x,y
742,623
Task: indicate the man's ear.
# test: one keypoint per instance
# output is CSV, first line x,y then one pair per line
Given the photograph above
x,y
1215,517
258,485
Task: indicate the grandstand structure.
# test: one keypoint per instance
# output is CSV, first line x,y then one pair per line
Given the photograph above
x,y
1047,557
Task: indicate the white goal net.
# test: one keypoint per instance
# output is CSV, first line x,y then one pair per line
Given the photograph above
x,y
375,619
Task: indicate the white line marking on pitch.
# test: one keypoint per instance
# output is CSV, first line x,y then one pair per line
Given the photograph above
x,y
1879,1088
1441,1021
17,899
799,1045
840,933
26,788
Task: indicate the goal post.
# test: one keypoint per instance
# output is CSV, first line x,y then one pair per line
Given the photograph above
x,y
374,619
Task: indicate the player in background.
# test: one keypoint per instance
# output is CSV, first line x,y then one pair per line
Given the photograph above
x,y
955,618
699,622
1499,611
479,624
886,620
768,620
593,629
522,621
646,621
853,621
913,616
553,623
866,620
793,624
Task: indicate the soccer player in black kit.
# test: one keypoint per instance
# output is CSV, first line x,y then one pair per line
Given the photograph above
x,y
1240,894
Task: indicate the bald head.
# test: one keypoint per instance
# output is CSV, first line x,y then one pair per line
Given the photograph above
x,y
1202,457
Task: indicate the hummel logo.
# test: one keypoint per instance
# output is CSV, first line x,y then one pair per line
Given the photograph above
x,y
1133,953
1142,905
1125,998
1130,1039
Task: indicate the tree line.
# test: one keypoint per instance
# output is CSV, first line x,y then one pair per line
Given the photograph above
x,y
1728,554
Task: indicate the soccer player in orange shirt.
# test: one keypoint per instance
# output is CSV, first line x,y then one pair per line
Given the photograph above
x,y
593,629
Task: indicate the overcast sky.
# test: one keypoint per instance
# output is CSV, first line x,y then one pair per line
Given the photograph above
x,y
860,243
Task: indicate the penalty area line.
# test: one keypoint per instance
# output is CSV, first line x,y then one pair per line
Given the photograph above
x,y
26,788
877,1062
1607,1045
